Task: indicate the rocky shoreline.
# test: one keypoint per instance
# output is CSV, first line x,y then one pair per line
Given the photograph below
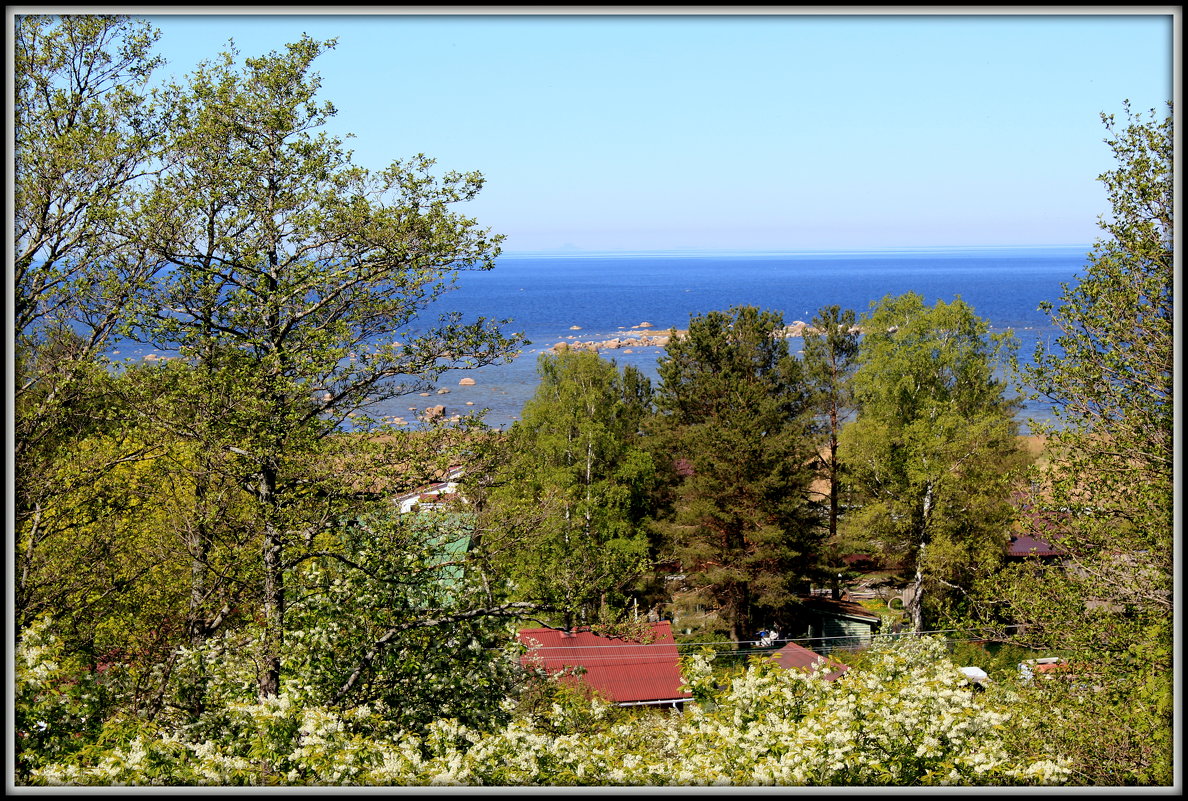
x,y
643,339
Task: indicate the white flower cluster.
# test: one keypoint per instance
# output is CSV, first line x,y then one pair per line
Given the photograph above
x,y
908,719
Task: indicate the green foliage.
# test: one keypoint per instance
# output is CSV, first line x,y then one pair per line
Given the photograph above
x,y
732,441
84,134
294,287
1105,492
1110,717
934,454
999,660
558,706
384,616
563,513
60,702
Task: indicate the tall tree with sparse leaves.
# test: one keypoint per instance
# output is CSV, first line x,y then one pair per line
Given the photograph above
x,y
299,281
1109,379
1105,493
85,136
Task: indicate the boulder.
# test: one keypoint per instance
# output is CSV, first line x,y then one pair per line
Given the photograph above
x,y
466,382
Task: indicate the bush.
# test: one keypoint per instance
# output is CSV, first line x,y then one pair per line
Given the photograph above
x,y
909,718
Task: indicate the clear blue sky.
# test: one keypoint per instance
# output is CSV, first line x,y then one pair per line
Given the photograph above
x,y
773,132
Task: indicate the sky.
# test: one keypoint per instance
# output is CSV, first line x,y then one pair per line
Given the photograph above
x,y
772,131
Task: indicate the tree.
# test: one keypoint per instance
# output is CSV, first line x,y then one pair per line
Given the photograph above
x,y
85,135
296,280
733,428
1105,492
830,348
1108,487
934,453
564,513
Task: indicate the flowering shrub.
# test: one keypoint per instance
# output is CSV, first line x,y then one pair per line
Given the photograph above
x,y
59,704
907,718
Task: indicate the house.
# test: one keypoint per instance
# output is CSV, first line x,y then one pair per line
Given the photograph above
x,y
796,657
831,624
432,495
1046,667
625,672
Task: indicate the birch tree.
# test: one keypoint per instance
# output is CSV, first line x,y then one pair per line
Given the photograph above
x,y
565,510
1106,492
85,135
934,453
1110,379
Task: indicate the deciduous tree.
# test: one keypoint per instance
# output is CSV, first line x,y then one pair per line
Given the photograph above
x,y
302,278
84,136
564,511
1108,486
934,453
1105,492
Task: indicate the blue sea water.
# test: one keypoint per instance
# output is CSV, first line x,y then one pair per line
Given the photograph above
x,y
608,295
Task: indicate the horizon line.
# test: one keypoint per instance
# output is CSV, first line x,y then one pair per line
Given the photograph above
x,y
578,252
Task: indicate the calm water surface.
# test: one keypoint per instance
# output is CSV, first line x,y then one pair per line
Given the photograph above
x,y
606,296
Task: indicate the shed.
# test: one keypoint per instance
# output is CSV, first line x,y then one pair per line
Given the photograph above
x,y
628,673
838,624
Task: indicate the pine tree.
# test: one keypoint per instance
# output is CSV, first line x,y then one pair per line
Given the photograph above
x,y
732,435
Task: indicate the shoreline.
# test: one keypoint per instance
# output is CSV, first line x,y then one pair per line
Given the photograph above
x,y
642,339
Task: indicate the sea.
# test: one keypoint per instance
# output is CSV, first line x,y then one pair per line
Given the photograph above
x,y
595,297
568,297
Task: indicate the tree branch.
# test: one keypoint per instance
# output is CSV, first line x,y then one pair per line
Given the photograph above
x,y
514,609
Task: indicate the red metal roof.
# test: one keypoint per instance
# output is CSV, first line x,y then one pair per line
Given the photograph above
x,y
626,672
795,656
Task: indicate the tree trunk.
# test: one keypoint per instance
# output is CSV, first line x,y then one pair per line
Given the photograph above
x,y
274,589
915,609
834,483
